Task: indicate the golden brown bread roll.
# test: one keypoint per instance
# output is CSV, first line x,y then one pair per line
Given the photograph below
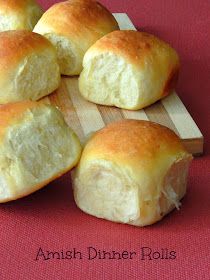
x,y
132,172
128,69
28,66
36,146
19,14
73,26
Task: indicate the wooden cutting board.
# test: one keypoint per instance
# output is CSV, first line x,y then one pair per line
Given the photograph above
x,y
85,117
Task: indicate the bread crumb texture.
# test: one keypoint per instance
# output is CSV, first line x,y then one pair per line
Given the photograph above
x,y
36,146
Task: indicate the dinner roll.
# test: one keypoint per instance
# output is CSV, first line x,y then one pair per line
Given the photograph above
x,y
132,172
73,26
128,69
28,66
19,14
36,146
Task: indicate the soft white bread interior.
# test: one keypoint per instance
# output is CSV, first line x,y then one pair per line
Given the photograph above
x,y
73,26
132,172
19,14
36,146
128,69
28,66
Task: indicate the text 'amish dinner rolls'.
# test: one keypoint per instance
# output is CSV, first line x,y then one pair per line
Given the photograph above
x,y
128,69
132,172
73,26
28,66
19,14
36,146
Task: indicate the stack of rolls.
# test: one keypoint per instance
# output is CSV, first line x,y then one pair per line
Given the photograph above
x,y
36,144
31,64
132,172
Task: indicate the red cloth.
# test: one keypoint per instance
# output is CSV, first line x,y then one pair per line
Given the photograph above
x,y
49,218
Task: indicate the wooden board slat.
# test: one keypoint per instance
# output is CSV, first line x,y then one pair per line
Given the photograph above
x,y
180,117
85,117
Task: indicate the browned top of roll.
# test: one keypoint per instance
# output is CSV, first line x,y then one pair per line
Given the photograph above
x,y
16,44
15,5
76,16
133,45
134,142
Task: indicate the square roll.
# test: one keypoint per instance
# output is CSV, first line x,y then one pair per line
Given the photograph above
x,y
132,172
36,146
29,68
128,69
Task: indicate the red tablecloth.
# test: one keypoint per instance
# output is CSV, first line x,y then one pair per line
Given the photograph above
x,y
50,220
